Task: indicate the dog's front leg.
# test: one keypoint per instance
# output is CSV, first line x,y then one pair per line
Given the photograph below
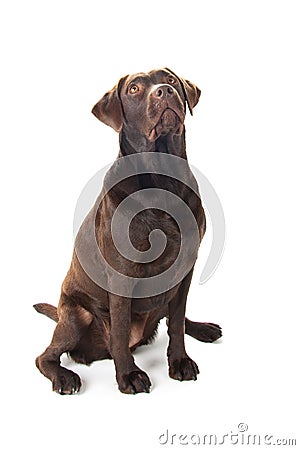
x,y
130,378
181,366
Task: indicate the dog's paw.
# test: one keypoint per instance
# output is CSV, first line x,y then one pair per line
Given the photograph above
x,y
204,331
183,369
210,332
66,382
135,382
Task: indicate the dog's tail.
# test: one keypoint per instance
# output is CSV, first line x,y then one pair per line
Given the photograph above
x,y
49,310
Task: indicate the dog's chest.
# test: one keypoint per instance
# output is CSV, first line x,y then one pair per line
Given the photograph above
x,y
142,237
149,220
166,249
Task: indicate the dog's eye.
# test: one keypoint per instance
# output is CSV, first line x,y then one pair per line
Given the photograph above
x,y
133,89
171,80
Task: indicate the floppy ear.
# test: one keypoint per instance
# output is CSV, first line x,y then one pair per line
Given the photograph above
x,y
191,91
192,94
109,109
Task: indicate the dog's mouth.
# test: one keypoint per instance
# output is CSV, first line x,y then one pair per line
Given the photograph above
x,y
168,121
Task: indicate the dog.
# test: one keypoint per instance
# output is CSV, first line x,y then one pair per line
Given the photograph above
x,y
96,322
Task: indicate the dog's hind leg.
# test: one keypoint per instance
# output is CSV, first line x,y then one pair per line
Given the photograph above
x,y
73,320
203,331
93,346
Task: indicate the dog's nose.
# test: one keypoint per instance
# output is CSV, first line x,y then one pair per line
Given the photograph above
x,y
163,90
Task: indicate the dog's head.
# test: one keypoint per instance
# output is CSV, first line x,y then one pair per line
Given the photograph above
x,y
153,104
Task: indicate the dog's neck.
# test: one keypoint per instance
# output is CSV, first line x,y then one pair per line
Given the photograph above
x,y
148,171
132,142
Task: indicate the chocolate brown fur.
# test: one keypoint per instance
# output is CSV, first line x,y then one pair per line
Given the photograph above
x,y
94,324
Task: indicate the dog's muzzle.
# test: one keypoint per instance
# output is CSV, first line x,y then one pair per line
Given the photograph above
x,y
168,109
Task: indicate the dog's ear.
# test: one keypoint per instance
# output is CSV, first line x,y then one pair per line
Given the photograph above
x,y
191,91
109,109
192,94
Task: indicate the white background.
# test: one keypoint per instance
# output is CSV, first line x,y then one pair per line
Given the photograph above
x,y
57,59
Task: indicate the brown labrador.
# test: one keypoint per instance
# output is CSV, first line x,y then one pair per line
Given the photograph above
x,y
95,321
